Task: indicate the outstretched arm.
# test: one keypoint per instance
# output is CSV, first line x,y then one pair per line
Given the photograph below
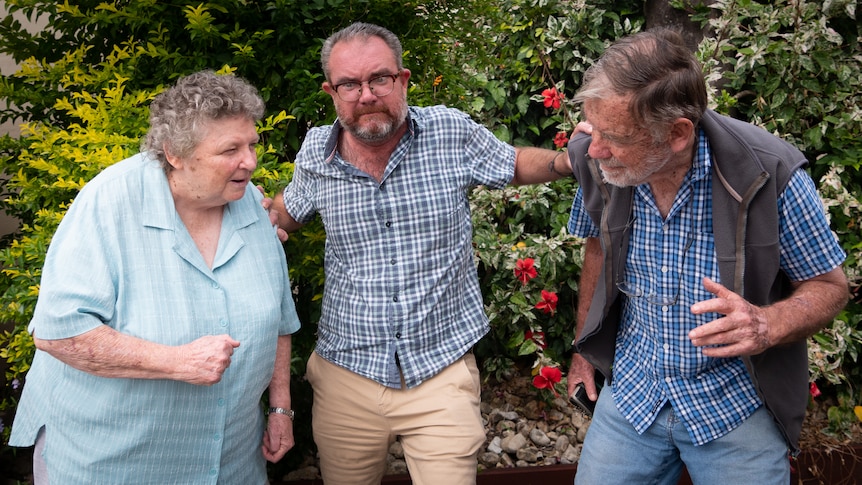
x,y
538,165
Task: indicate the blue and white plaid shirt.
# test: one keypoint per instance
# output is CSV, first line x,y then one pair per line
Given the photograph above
x,y
400,273
655,362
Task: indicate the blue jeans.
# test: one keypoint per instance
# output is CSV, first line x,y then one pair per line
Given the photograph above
x,y
614,453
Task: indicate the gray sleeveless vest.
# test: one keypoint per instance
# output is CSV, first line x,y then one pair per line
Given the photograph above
x,y
750,170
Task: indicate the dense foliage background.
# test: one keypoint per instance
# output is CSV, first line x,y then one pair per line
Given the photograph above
x,y
86,80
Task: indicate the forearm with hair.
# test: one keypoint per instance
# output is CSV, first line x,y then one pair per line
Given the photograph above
x,y
105,352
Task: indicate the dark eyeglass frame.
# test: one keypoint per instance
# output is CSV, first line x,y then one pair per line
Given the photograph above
x,y
632,291
349,96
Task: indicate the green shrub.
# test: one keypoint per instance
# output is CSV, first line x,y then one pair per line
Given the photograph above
x,y
84,85
532,46
86,81
275,44
523,251
51,166
793,68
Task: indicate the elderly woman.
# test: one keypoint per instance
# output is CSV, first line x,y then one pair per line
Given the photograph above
x,y
165,310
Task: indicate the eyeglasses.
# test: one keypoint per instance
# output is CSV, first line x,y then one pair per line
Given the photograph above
x,y
633,291
379,86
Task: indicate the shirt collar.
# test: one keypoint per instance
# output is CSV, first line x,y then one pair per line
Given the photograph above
x,y
159,210
414,124
702,157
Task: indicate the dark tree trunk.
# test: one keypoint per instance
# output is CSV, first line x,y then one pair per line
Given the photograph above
x,y
659,13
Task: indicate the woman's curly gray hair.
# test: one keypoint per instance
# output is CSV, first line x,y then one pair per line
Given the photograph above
x,y
178,114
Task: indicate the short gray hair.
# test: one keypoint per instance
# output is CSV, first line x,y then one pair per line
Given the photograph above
x,y
660,73
360,30
178,113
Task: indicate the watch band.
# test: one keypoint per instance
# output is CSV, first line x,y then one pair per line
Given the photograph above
x,y
287,412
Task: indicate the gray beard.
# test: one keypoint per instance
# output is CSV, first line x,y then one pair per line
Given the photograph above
x,y
373,136
380,132
630,178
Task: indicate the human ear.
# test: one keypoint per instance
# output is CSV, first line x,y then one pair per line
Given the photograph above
x,y
174,161
680,135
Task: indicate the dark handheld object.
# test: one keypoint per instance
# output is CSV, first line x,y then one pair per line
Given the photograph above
x,y
580,399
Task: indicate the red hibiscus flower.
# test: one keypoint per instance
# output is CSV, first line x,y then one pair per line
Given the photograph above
x,y
561,139
814,390
524,270
552,98
546,378
548,303
538,337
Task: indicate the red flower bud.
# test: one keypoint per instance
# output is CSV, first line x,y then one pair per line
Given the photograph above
x,y
538,337
814,390
560,140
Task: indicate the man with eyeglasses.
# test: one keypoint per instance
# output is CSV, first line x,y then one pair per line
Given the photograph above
x,y
402,306
709,262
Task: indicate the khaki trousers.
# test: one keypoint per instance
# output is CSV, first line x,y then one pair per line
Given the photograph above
x,y
356,419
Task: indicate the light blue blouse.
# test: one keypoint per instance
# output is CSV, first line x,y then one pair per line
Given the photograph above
x,y
122,257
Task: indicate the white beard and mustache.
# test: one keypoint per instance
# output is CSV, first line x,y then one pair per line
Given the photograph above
x,y
631,176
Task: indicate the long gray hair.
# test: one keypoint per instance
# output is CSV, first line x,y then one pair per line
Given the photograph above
x,y
178,113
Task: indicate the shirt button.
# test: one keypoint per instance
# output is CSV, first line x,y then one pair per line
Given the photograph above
x,y
391,261
664,308
213,472
388,223
215,285
667,379
666,346
221,402
223,322
664,269
398,335
395,299
216,437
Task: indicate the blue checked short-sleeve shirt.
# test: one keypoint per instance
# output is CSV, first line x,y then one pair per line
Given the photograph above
x,y
122,257
655,362
400,273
